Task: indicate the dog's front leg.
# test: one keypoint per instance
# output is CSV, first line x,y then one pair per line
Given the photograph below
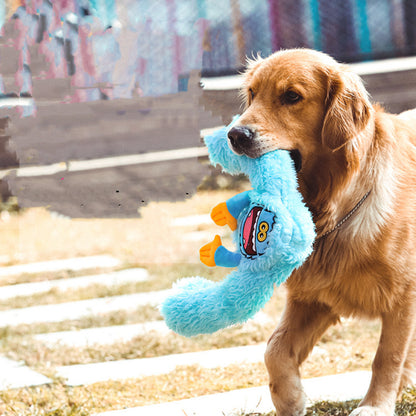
x,y
300,328
397,332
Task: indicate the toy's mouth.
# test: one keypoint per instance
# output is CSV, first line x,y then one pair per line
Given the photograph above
x,y
249,231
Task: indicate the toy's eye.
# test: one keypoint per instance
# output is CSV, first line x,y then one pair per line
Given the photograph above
x,y
291,97
262,234
264,227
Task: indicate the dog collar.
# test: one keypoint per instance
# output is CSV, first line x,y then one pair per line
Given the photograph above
x,y
346,218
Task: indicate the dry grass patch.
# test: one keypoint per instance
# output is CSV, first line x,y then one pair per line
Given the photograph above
x,y
406,406
160,277
16,343
345,347
44,358
183,383
188,382
61,274
54,400
56,296
142,314
336,355
131,240
349,346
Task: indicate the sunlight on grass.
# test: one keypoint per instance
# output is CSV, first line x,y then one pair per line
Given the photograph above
x,y
150,239
183,383
165,250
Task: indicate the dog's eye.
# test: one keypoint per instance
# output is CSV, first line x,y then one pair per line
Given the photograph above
x,y
251,93
291,97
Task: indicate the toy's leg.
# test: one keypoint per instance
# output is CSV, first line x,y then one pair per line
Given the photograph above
x,y
300,328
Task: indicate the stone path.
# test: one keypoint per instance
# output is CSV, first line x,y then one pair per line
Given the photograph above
x,y
74,264
14,375
104,335
79,309
121,333
255,400
104,279
83,374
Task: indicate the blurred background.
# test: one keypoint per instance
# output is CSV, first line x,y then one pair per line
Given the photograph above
x,y
106,187
82,81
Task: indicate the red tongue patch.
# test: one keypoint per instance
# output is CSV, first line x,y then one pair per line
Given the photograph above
x,y
249,230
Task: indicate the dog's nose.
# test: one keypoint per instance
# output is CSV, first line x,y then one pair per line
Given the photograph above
x,y
240,136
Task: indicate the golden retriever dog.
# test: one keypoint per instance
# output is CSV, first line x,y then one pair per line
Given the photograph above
x,y
357,174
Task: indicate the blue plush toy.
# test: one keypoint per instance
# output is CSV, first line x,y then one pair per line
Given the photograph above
x,y
274,233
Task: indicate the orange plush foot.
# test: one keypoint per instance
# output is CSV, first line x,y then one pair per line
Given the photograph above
x,y
221,216
207,252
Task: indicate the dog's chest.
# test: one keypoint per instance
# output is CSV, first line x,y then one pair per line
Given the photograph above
x,y
366,288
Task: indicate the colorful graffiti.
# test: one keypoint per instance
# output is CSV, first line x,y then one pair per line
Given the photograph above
x,y
123,48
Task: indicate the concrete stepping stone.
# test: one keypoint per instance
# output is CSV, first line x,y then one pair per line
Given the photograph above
x,y
80,309
102,336
105,279
82,374
74,264
119,333
14,375
256,400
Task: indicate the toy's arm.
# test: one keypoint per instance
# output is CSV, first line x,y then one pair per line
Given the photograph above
x,y
226,258
227,212
215,254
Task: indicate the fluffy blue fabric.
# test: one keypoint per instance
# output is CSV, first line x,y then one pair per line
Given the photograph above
x,y
275,235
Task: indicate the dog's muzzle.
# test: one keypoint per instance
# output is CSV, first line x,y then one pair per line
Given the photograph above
x,y
240,139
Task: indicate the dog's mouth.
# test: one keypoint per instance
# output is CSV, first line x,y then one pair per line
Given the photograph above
x,y
297,159
254,153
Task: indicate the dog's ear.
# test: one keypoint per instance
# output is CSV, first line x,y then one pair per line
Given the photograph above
x,y
347,109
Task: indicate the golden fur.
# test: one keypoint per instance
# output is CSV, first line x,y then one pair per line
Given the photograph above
x,y
304,100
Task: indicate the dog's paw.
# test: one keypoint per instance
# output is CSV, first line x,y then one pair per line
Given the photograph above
x,y
368,411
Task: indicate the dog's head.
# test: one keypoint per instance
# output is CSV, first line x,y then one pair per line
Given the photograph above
x,y
306,102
